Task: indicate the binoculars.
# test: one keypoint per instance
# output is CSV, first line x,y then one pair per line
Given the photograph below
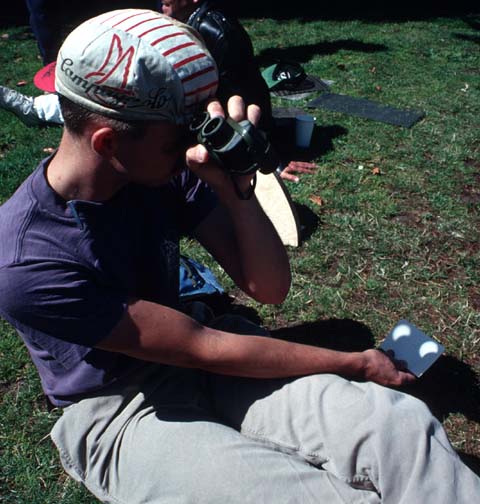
x,y
239,148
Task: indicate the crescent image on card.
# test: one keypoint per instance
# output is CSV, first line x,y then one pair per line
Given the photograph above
x,y
413,346
401,330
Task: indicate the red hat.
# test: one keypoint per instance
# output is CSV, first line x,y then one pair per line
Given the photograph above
x,y
44,79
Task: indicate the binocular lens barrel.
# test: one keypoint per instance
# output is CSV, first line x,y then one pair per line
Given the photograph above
x,y
238,147
199,121
217,132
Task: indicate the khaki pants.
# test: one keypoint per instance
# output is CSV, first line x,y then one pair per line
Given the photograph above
x,y
184,436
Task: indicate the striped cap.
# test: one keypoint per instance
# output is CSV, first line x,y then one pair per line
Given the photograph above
x,y
136,64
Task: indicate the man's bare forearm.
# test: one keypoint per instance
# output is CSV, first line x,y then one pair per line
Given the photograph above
x,y
266,266
156,333
239,234
265,357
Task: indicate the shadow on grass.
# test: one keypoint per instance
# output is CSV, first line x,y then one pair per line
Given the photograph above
x,y
321,142
365,10
450,386
308,221
304,53
337,334
470,461
467,37
472,22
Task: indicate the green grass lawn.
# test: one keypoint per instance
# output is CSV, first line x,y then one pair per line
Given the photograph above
x,y
391,220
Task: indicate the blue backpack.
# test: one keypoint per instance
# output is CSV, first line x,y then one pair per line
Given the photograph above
x,y
196,280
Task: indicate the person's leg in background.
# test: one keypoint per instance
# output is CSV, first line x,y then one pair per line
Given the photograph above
x,y
46,23
51,20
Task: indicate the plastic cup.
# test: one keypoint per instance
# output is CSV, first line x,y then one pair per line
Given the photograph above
x,y
303,130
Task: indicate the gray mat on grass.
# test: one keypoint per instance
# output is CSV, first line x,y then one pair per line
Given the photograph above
x,y
368,109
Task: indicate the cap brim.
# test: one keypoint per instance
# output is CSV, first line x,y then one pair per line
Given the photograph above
x,y
44,79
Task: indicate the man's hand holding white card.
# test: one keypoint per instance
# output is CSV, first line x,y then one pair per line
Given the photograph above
x,y
412,346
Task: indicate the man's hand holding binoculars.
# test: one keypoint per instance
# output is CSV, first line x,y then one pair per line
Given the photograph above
x,y
230,150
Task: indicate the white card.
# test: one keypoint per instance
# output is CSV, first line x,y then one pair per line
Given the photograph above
x,y
411,345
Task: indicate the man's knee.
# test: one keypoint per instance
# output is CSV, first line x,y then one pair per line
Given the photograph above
x,y
404,414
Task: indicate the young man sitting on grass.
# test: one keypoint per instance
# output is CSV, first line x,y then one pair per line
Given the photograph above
x,y
159,407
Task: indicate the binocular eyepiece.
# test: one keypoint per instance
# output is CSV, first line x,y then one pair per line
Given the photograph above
x,y
239,148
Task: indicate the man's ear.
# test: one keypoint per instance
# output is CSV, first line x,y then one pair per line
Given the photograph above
x,y
104,141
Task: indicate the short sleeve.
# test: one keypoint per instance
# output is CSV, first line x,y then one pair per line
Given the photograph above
x,y
199,200
49,299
